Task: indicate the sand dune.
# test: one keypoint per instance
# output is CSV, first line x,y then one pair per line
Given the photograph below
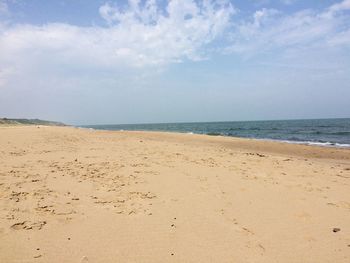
x,y
76,195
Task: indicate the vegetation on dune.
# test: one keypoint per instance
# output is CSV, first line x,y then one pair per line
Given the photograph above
x,y
7,121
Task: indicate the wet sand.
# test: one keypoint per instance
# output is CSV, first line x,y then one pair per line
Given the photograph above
x,y
76,195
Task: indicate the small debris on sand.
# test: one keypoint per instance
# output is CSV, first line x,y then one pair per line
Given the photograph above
x,y
336,229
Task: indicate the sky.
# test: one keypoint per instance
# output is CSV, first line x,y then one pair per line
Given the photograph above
x,y
118,62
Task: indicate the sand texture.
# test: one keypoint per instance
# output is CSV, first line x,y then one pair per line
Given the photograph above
x,y
76,195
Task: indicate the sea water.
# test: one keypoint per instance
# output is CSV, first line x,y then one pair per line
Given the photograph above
x,y
324,132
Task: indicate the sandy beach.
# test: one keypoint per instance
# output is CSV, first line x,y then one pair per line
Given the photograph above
x,y
79,195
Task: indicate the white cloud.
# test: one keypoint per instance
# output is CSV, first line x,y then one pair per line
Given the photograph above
x,y
263,15
344,5
270,30
139,35
145,35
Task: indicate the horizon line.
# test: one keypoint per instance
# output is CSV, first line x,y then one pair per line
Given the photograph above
x,y
187,122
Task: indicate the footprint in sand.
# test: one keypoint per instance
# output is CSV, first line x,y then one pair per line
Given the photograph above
x,y
27,225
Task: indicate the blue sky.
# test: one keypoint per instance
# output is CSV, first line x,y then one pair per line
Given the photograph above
x,y
95,62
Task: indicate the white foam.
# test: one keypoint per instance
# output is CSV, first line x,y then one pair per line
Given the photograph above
x,y
322,144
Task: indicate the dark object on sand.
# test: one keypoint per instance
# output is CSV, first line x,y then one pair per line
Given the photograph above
x,y
335,230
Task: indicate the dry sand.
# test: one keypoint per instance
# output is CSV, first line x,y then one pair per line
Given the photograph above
x,y
74,195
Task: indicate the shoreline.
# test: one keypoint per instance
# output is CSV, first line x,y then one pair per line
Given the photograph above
x,y
264,145
308,143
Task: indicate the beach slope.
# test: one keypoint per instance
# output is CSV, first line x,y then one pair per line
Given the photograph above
x,y
79,195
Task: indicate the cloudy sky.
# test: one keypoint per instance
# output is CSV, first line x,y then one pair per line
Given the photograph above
x,y
96,62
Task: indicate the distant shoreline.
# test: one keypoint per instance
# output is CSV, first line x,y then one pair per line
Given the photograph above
x,y
251,144
305,143
334,133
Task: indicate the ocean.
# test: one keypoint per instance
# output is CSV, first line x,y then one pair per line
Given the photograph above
x,y
323,132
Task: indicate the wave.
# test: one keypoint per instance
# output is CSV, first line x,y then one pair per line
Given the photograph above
x,y
324,144
292,140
